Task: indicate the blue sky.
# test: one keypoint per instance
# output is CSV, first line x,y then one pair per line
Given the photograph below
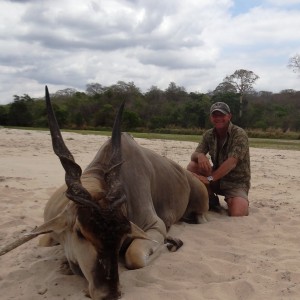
x,y
196,44
243,6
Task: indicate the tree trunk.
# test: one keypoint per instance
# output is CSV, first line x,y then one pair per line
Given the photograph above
x,y
241,105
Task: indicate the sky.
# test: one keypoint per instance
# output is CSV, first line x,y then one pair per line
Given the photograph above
x,y
193,43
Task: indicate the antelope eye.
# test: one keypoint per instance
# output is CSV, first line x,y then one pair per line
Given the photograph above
x,y
79,234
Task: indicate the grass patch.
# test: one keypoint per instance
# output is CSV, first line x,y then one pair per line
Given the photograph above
x,y
282,144
275,144
267,143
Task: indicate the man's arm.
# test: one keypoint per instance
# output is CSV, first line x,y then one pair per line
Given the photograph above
x,y
228,165
203,163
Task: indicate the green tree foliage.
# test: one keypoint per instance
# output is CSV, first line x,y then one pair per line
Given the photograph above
x,y
19,113
225,87
3,115
155,109
104,117
38,111
195,111
175,93
131,120
154,106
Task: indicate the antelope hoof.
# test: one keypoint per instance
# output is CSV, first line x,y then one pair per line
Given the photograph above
x,y
173,244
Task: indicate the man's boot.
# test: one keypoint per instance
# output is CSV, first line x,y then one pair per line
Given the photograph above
x,y
214,203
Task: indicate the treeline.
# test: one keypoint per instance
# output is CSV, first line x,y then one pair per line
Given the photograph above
x,y
156,110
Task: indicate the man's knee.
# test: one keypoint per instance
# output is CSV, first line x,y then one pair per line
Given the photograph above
x,y
238,207
193,167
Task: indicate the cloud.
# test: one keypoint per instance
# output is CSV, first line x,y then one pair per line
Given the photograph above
x,y
193,43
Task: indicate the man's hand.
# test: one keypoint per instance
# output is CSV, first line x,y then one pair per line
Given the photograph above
x,y
204,164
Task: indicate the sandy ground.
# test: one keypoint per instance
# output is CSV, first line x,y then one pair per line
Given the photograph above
x,y
255,257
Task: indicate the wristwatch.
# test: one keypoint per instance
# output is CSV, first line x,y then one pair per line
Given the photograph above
x,y
210,179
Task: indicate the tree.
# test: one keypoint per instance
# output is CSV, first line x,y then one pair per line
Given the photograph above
x,y
94,88
294,63
175,93
19,113
224,87
195,112
61,114
122,91
68,92
243,81
3,115
131,120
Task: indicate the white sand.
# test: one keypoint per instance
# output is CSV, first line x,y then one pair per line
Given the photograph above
x,y
255,257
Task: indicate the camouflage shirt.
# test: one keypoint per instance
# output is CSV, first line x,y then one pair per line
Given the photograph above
x,y
235,145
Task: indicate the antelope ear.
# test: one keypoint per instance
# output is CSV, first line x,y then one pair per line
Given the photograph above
x,y
57,224
138,233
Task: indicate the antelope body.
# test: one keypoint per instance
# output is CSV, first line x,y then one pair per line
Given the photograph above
x,y
125,201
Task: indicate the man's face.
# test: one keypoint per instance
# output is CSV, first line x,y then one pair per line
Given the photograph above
x,y
219,120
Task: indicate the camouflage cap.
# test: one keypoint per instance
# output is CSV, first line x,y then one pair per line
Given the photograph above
x,y
220,106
